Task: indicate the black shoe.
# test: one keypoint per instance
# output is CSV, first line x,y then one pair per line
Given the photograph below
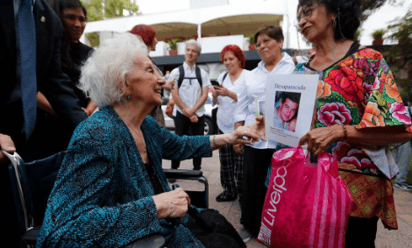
x,y
196,168
224,197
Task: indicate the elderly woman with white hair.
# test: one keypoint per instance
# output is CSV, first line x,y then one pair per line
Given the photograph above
x,y
111,189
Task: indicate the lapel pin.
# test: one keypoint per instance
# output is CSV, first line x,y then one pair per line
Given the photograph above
x,y
43,19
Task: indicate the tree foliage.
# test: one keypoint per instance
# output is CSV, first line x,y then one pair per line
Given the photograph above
x,y
401,29
369,6
105,9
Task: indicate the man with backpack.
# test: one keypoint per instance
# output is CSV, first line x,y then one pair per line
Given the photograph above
x,y
190,93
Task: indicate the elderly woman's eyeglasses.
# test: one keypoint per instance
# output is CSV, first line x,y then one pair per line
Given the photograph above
x,y
306,11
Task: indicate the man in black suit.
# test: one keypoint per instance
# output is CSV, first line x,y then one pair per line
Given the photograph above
x,y
50,80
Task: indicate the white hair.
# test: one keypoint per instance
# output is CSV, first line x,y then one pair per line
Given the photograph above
x,y
194,42
107,66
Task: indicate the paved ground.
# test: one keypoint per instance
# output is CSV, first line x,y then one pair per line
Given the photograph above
x,y
401,238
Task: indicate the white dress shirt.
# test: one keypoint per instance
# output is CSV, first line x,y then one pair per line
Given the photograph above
x,y
253,89
224,116
190,90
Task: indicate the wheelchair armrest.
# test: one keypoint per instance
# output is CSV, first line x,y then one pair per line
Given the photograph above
x,y
151,241
30,236
186,174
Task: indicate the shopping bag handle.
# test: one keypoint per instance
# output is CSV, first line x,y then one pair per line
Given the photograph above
x,y
305,148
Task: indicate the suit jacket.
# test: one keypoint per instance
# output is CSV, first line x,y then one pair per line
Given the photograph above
x,y
54,84
102,195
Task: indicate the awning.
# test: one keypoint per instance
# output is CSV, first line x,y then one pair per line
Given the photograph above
x,y
223,19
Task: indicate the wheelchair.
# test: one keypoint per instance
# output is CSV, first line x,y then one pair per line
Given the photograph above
x,y
32,183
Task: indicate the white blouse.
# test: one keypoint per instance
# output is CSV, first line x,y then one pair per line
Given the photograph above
x,y
253,89
225,112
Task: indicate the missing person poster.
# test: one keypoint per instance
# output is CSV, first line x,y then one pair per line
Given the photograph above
x,y
288,107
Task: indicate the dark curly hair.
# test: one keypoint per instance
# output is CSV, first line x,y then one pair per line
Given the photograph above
x,y
348,16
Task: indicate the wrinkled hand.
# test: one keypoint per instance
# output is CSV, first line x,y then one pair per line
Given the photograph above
x,y
319,139
6,144
239,148
172,204
259,126
237,136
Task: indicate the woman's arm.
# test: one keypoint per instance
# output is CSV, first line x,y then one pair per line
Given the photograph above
x,y
319,139
215,96
223,91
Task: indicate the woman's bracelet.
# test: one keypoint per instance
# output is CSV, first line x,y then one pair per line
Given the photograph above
x,y
345,133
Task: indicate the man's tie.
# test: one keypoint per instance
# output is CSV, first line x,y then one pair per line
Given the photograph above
x,y
26,31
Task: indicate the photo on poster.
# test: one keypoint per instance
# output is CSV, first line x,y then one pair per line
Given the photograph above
x,y
289,105
286,110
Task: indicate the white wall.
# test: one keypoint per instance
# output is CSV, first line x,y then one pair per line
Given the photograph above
x,y
216,44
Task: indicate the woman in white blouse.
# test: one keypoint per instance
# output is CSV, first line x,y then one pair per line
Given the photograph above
x,y
257,158
231,163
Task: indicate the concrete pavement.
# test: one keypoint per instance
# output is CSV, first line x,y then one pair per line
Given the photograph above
x,y
401,238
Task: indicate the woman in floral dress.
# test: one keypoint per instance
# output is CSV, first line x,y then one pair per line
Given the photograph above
x,y
359,112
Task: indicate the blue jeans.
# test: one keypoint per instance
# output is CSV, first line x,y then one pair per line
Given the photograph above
x,y
402,156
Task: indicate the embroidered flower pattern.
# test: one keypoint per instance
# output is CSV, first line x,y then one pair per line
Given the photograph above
x,y
334,113
362,92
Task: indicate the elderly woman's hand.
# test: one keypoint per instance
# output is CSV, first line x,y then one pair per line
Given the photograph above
x,y
319,139
6,144
172,204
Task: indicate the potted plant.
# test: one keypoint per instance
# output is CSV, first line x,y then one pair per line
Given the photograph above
x,y
251,41
173,46
378,37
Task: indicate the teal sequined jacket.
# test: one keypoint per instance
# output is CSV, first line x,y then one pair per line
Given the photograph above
x,y
102,195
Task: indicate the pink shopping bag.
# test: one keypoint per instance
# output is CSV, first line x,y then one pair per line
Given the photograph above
x,y
306,205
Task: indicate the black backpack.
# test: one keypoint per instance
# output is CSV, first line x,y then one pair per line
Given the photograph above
x,y
182,76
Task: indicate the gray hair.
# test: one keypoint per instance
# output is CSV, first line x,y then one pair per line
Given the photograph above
x,y
194,42
107,66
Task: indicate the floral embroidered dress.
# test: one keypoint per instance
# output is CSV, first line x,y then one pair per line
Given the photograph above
x,y
360,90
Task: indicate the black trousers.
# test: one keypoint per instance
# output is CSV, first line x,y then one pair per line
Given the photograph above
x,y
361,232
183,126
255,167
